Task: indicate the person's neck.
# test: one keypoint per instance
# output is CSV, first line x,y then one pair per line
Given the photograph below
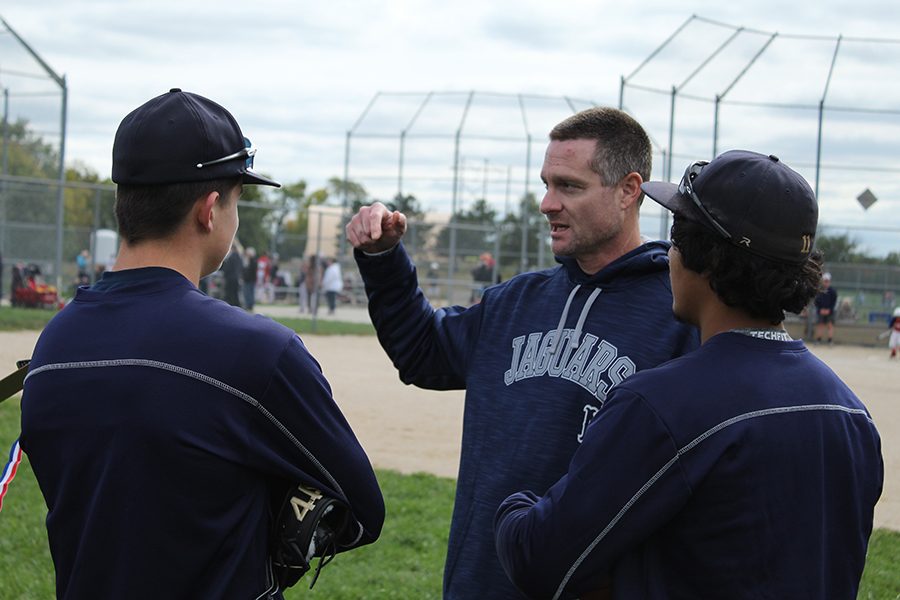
x,y
167,253
609,252
729,319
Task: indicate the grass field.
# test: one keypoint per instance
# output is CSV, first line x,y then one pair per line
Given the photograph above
x,y
21,319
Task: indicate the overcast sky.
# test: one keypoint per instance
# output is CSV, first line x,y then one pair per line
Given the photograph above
x,y
299,75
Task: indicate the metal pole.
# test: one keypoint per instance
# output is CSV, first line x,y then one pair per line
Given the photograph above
x,y
5,173
819,146
715,151
317,274
451,264
403,142
524,209
496,269
451,259
721,96
342,244
93,266
400,164
837,47
664,220
345,200
5,132
61,196
661,46
621,92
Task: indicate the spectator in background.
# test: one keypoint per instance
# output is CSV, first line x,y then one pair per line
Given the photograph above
x,y
482,276
313,281
83,262
302,290
332,283
264,278
825,303
894,340
251,265
231,274
432,277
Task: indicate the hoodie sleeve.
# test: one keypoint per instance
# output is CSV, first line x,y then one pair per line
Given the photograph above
x,y
314,443
622,484
430,348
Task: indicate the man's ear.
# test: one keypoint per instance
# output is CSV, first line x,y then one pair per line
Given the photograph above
x,y
205,211
630,187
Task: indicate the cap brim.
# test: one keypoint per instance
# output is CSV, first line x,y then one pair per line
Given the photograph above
x,y
251,177
666,193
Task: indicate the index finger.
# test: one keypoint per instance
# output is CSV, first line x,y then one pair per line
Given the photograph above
x,y
378,214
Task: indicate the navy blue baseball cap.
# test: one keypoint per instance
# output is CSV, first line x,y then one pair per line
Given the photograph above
x,y
181,137
754,201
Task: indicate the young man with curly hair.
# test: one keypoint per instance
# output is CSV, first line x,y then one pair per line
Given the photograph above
x,y
744,469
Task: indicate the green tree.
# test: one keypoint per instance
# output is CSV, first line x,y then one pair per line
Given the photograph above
x,y
255,207
841,249
285,200
475,230
511,238
355,193
25,154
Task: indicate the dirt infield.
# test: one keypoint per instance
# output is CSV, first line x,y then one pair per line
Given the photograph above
x,y
411,430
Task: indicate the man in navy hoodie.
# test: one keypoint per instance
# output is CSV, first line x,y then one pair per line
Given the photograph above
x,y
745,469
540,353
165,427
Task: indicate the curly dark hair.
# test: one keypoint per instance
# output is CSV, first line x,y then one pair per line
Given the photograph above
x,y
761,287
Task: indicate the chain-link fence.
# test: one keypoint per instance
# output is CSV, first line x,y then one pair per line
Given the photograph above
x,y
446,254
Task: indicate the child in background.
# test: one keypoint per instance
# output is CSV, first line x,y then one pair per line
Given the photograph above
x,y
894,340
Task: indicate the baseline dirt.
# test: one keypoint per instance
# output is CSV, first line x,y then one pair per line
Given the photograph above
x,y
410,430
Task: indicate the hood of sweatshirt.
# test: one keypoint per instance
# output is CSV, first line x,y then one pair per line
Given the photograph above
x,y
647,258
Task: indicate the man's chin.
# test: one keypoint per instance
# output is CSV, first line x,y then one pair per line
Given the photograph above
x,y
560,249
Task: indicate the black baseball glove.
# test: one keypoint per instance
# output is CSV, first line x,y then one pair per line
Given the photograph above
x,y
308,524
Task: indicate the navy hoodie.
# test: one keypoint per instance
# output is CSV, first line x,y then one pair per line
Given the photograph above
x,y
537,357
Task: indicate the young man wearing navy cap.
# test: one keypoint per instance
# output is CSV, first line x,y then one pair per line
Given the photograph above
x,y
744,469
166,427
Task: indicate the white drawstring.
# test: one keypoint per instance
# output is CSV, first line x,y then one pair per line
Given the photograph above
x,y
562,320
576,337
